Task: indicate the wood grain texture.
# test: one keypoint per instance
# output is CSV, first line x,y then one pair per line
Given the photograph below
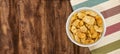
x,y
36,27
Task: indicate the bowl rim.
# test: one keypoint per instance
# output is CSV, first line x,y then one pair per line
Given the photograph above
x,y
69,33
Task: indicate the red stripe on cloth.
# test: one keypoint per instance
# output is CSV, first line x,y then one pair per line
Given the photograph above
x,y
113,28
111,12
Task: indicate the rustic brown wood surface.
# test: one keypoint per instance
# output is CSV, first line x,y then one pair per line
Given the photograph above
x,y
35,27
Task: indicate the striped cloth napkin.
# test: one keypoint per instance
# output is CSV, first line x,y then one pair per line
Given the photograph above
x,y
110,44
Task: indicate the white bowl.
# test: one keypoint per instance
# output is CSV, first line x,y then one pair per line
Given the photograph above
x,y
69,34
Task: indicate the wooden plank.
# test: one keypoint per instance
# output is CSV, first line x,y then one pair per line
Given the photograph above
x,y
35,27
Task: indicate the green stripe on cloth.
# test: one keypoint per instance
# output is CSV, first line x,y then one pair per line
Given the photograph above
x,y
107,48
88,3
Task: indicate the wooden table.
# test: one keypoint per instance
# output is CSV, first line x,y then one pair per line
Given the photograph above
x,y
35,27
